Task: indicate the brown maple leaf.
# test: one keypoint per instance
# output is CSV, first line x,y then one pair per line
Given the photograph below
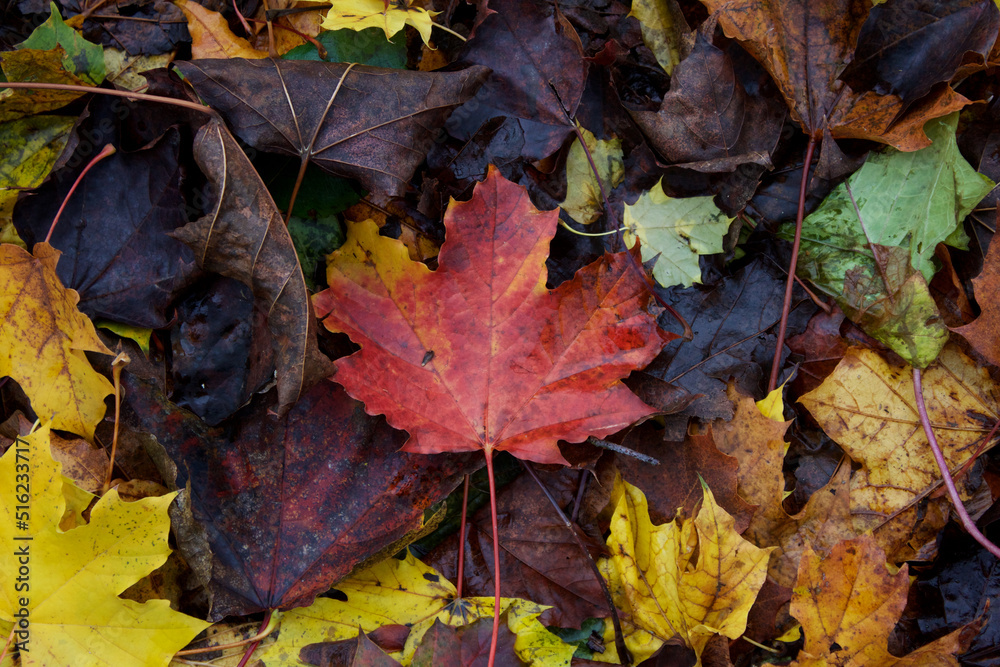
x,y
479,354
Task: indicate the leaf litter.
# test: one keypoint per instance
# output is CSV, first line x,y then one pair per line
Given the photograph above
x,y
487,321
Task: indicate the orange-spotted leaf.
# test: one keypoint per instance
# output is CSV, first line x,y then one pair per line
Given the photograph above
x,y
479,354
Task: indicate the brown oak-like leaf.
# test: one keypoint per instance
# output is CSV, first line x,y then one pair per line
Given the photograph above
x,y
984,332
479,354
244,238
361,122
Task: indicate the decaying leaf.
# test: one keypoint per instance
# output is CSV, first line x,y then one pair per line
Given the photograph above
x,y
674,232
867,406
984,333
848,604
707,121
264,492
664,30
390,16
32,65
665,590
76,616
361,122
907,201
584,202
80,57
514,367
43,341
244,238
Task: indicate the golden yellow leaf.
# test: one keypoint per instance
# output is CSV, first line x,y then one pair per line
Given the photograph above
x,y
66,584
848,604
407,592
390,16
688,578
211,36
867,406
43,338
584,202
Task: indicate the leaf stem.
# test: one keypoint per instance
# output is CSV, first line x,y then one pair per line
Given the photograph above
x,y
461,539
949,483
790,281
613,231
113,93
105,152
10,638
120,362
623,652
266,628
496,559
448,30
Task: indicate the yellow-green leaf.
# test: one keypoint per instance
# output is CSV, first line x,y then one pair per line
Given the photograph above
x,y
663,30
584,202
675,232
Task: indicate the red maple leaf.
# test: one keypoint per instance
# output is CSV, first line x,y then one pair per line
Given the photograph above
x,y
479,354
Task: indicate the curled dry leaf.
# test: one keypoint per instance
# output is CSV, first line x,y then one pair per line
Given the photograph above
x,y
984,333
361,122
244,238
44,340
211,36
868,406
479,355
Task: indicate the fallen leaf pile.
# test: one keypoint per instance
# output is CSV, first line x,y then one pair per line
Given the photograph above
x,y
459,334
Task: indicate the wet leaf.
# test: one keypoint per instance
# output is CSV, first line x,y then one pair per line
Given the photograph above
x,y
376,127
44,340
707,121
867,406
141,27
537,75
848,604
906,200
664,30
114,232
80,57
907,47
984,333
31,65
584,202
244,238
515,367
77,575
286,474
665,590
674,232
390,17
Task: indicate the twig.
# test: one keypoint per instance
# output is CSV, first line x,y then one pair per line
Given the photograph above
x,y
622,449
949,483
623,652
790,281
113,93
105,152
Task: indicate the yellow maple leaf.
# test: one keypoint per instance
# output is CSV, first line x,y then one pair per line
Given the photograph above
x,y
408,592
868,407
848,604
59,590
390,15
688,578
43,338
